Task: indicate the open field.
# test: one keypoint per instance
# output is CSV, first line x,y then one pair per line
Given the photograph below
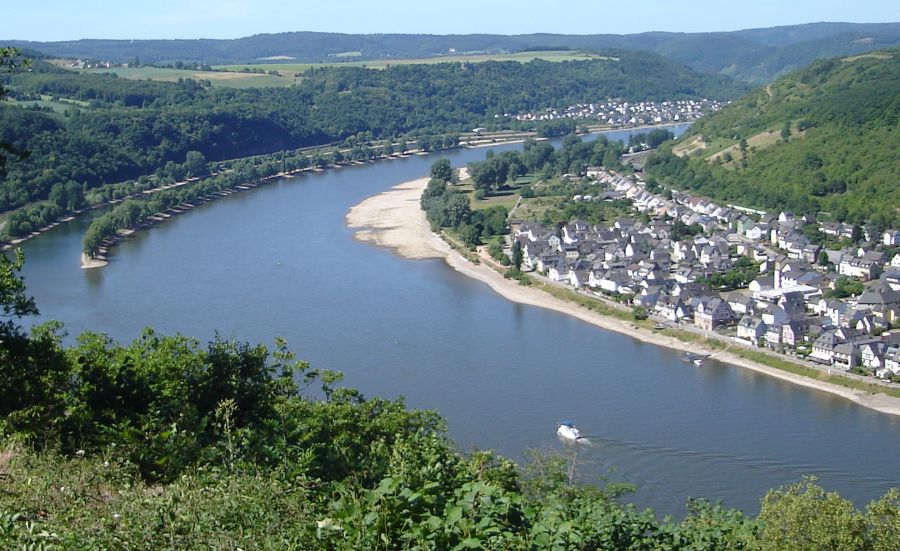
x,y
757,142
288,69
690,146
58,106
873,55
503,198
217,78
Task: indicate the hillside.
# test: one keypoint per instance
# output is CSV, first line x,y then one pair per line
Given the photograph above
x,y
821,140
86,130
753,55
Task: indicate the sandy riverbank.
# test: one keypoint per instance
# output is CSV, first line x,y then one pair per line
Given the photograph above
x,y
394,220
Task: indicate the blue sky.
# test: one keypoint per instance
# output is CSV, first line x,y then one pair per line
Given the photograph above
x,y
68,20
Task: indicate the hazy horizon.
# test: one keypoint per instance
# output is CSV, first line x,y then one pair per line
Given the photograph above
x,y
58,20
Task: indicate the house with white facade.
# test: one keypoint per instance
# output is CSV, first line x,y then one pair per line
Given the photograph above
x,y
751,329
712,313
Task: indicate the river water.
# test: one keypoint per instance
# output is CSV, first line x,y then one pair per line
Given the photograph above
x,y
279,261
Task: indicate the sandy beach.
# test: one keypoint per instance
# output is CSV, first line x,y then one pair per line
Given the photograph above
x,y
394,220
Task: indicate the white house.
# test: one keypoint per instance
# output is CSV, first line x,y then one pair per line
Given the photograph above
x,y
751,329
892,359
865,267
775,316
712,313
755,233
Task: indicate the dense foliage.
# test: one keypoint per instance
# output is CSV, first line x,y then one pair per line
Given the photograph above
x,y
821,140
539,157
447,207
115,129
754,55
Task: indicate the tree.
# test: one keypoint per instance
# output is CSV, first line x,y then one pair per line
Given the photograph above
x,y
435,188
803,517
195,163
470,234
883,519
441,170
517,255
639,313
457,210
8,60
845,287
786,131
823,258
13,300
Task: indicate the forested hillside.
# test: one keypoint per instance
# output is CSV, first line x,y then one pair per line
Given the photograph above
x,y
821,140
114,129
754,55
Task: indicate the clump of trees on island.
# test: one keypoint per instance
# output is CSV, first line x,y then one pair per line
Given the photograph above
x,y
540,158
447,206
166,443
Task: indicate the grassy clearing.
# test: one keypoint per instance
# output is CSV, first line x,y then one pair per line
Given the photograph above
x,y
507,196
873,55
716,145
535,207
791,367
288,69
57,107
216,78
507,200
757,142
681,335
595,305
689,146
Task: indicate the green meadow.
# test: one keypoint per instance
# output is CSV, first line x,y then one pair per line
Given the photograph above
x,y
216,78
288,69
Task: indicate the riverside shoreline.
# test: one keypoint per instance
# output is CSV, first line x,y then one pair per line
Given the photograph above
x,y
394,220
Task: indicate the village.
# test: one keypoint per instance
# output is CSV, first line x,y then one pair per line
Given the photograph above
x,y
755,278
614,112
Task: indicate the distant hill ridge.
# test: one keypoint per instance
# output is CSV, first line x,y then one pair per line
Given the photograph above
x,y
822,140
753,55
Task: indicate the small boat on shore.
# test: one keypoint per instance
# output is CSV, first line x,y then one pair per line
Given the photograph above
x,y
695,359
567,430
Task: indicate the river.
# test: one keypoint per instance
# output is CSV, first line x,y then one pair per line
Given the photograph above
x,y
279,261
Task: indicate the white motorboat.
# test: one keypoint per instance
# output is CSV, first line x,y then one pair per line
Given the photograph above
x,y
567,430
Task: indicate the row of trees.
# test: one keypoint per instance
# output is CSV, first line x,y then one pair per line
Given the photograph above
x,y
227,176
652,139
